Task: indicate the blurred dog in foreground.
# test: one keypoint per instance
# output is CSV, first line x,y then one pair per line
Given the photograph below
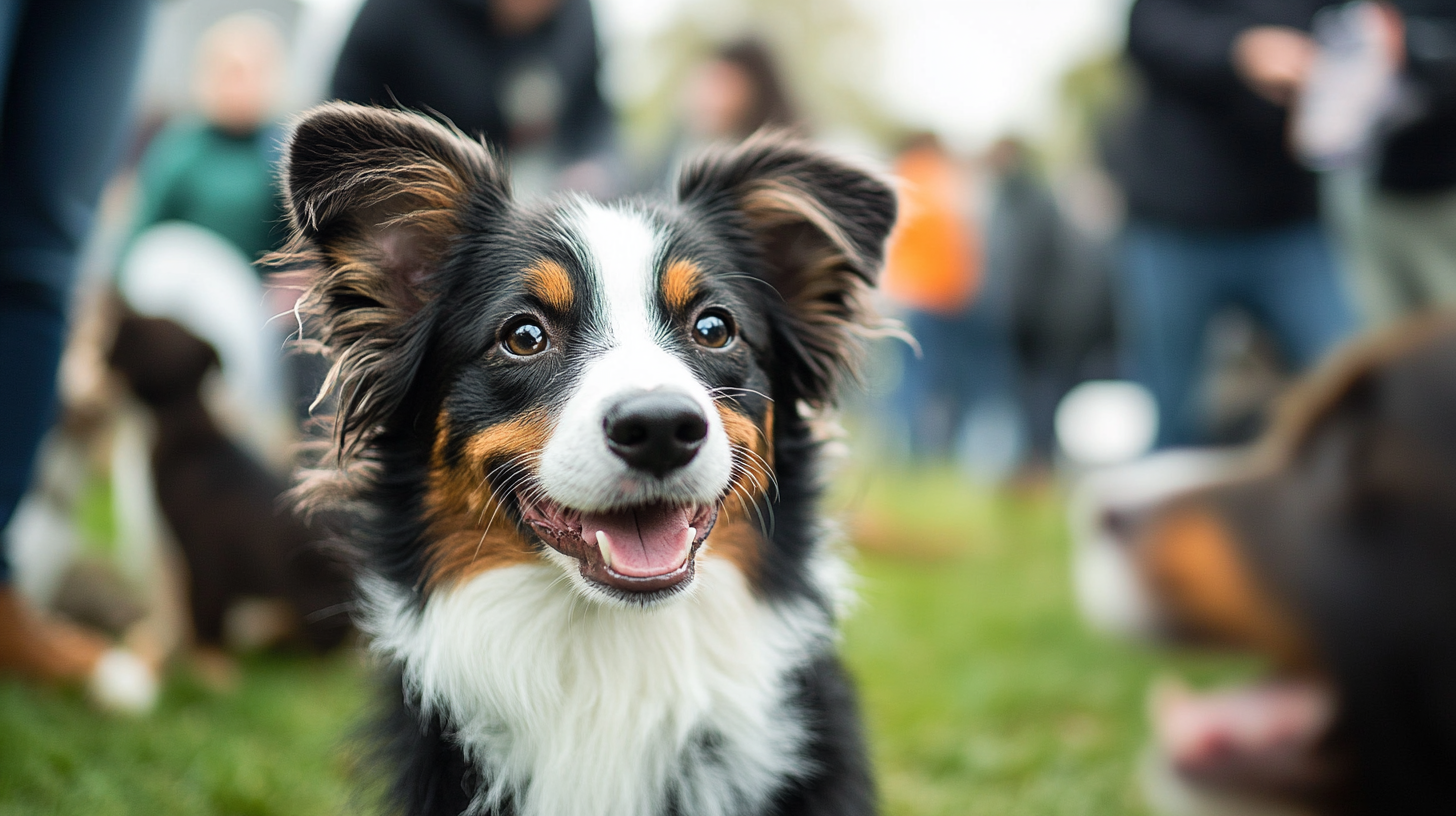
x,y
224,508
577,438
1331,552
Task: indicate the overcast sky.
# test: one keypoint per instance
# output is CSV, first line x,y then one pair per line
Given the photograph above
x,y
970,69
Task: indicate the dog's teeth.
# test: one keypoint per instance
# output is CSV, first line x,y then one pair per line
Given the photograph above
x,y
605,545
688,544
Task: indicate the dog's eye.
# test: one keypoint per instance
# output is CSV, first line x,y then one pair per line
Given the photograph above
x,y
714,329
525,337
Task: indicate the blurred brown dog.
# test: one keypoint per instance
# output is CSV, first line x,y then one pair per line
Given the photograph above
x,y
239,540
1333,555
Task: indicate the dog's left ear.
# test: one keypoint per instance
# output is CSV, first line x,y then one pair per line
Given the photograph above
x,y
819,227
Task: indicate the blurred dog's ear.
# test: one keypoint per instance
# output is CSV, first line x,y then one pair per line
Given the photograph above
x,y
160,358
819,226
375,198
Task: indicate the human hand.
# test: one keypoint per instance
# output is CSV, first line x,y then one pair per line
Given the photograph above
x,y
1274,61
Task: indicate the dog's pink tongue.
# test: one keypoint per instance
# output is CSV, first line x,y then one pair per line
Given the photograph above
x,y
1252,720
641,542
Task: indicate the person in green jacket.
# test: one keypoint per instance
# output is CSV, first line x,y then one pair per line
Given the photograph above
x,y
218,170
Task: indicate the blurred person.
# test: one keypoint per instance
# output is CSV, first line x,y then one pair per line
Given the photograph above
x,y
216,169
1398,216
67,68
521,73
1220,214
736,92
957,390
1057,280
732,94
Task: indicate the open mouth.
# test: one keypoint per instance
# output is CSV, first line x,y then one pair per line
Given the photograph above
x,y
1261,738
646,550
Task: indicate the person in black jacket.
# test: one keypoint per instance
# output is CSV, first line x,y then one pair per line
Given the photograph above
x,y
521,73
1401,229
1220,214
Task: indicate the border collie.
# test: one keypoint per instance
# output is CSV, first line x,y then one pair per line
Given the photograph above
x,y
575,439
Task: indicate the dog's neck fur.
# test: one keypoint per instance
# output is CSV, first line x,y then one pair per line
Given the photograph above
x,y
569,706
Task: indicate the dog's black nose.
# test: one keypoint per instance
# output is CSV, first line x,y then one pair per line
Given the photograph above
x,y
656,432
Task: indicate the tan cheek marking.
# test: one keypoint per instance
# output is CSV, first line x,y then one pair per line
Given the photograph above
x,y
549,281
752,453
737,540
469,530
1193,564
519,437
680,283
737,537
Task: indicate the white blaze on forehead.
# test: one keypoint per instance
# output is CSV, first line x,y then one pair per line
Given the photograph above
x,y
620,250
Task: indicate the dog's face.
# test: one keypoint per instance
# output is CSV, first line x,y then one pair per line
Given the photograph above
x,y
595,385
616,402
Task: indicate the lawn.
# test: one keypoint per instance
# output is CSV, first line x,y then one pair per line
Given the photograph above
x,y
984,693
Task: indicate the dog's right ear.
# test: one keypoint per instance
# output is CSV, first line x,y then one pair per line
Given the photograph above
x,y
378,194
375,198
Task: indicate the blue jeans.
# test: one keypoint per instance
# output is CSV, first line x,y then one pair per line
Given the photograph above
x,y
966,361
1174,280
66,69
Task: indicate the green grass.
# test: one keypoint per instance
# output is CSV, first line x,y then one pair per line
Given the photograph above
x,y
984,693
277,746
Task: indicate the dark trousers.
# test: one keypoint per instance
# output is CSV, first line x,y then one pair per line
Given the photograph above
x,y
1174,280
66,70
966,362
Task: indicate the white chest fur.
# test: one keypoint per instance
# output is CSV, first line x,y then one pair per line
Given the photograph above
x,y
573,707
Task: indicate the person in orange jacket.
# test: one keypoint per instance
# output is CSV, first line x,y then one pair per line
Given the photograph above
x,y
959,320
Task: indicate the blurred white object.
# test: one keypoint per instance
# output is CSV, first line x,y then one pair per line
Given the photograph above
x,y
1106,422
41,538
1352,90
121,683
1104,514
191,275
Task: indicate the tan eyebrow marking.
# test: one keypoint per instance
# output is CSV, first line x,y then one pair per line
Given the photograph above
x,y
679,283
548,281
